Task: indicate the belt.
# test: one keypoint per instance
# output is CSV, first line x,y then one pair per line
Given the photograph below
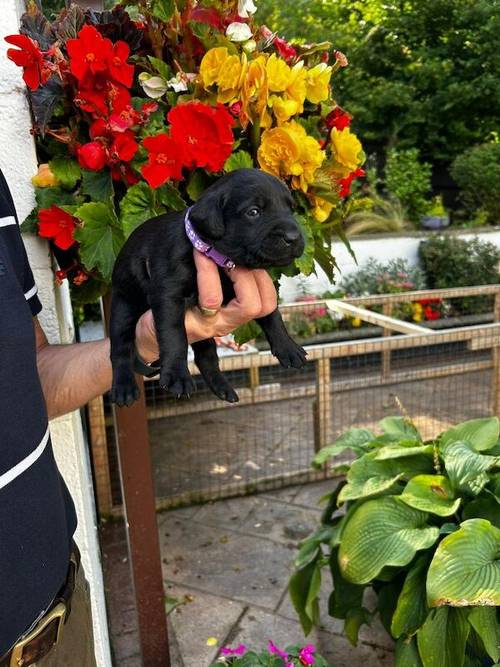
x,y
37,643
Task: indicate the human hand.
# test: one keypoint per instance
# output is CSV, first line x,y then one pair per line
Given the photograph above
x,y
255,296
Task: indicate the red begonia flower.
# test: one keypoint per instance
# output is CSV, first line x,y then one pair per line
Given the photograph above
x,y
92,101
118,97
204,132
123,171
90,53
92,156
119,69
286,50
345,183
431,314
56,224
124,147
166,159
338,118
29,57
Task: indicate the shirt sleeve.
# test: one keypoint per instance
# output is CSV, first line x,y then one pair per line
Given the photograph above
x,y
9,225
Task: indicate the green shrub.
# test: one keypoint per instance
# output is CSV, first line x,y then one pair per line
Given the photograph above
x,y
409,180
452,262
377,278
477,173
421,529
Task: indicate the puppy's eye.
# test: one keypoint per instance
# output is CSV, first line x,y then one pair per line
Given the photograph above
x,y
253,212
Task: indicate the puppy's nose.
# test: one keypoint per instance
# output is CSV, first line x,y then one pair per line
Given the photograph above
x,y
291,236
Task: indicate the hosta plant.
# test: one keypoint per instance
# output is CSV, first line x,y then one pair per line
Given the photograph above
x,y
292,656
138,109
418,522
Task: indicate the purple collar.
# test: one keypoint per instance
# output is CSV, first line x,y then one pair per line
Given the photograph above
x,y
205,248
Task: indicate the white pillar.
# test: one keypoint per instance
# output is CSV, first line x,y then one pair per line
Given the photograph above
x,y
18,163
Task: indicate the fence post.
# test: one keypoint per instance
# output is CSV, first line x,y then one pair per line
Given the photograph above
x,y
496,362
322,405
99,447
386,354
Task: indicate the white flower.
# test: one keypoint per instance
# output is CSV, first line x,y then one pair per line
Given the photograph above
x,y
250,46
153,86
246,8
238,32
177,83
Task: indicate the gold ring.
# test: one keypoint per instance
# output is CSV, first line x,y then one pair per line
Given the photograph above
x,y
208,312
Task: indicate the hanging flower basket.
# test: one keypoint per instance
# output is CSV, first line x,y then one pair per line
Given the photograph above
x,y
136,114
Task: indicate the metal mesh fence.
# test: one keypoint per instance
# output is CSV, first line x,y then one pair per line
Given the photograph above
x,y
203,448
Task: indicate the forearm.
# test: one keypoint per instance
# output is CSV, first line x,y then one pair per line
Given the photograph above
x,y
72,375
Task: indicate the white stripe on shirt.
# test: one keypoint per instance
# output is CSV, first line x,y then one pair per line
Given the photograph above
x,y
31,292
8,220
25,463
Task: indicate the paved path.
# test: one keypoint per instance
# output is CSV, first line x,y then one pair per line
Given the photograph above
x,y
229,562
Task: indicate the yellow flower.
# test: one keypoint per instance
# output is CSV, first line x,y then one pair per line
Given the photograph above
x,y
287,150
321,209
278,74
296,89
418,310
347,148
254,93
318,82
356,322
283,108
211,65
230,79
44,178
212,641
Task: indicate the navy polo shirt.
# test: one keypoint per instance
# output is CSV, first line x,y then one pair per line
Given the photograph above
x,y
37,515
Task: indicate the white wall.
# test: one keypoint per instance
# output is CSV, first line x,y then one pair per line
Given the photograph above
x,y
18,163
381,247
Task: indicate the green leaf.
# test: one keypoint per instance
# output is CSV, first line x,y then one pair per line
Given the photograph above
x,y
380,533
355,439
400,427
442,638
402,449
483,508
465,569
481,433
98,185
142,202
198,183
161,67
247,332
309,547
66,170
304,589
30,223
411,610
485,622
431,493
406,654
170,198
346,602
162,9
368,477
45,197
305,263
238,160
101,237
465,467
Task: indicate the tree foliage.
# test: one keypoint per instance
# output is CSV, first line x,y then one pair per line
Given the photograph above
x,y
422,72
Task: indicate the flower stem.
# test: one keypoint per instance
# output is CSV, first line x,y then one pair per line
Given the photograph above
x,y
255,138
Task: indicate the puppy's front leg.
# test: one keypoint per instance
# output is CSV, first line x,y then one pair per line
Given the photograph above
x,y
284,348
205,356
168,314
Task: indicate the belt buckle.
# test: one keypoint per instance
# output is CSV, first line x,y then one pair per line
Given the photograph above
x,y
58,613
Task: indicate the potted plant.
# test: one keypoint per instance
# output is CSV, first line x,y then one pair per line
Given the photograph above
x,y
436,216
421,529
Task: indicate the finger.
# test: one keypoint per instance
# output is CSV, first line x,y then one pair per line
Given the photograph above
x,y
267,291
246,304
209,286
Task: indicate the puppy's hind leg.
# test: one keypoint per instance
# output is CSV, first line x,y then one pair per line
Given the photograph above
x,y
123,320
205,356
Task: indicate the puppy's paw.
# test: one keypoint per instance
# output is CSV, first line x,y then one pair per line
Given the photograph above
x,y
290,355
221,387
177,381
124,393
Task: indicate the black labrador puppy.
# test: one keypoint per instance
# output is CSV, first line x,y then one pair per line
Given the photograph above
x,y
244,219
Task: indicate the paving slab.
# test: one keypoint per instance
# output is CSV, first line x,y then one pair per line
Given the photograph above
x,y
229,513
223,562
280,521
310,494
202,617
257,627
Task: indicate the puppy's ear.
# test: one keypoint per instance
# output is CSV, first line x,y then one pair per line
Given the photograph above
x,y
207,217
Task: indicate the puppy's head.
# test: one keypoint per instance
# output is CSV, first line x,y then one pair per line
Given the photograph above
x,y
247,215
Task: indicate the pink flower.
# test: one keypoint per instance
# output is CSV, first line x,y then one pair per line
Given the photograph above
x,y
239,650
306,656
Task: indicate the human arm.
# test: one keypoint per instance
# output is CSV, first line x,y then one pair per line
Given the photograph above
x,y
71,375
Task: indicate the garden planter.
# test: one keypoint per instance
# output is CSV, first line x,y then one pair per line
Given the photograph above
x,y
435,221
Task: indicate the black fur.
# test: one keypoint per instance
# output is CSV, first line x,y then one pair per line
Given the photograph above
x,y
155,269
